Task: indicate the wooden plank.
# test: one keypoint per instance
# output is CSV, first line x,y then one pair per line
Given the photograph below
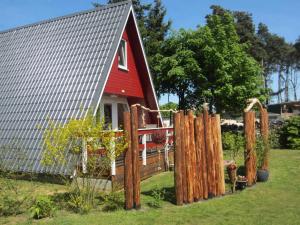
x,y
221,182
183,157
135,158
189,172
178,161
128,184
250,159
193,155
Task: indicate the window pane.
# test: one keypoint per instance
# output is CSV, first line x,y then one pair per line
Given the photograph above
x,y
107,116
121,109
122,54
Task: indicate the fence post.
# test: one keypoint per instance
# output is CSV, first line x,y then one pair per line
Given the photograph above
x,y
183,156
209,152
144,153
250,159
135,157
178,160
264,130
128,183
221,184
167,165
199,145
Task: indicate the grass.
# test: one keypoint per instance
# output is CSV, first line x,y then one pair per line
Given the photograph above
x,y
274,202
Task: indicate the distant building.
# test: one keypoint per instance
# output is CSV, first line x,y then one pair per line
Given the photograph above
x,y
285,109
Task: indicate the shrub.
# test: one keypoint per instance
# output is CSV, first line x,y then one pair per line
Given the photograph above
x,y
290,133
260,151
11,204
158,195
113,201
42,207
79,204
274,138
234,143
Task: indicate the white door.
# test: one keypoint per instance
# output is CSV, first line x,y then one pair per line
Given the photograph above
x,y
112,109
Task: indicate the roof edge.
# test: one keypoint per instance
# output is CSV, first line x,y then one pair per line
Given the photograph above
x,y
65,16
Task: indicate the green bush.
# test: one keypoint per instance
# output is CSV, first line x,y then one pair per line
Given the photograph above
x,y
260,149
158,195
42,207
290,133
234,143
79,203
11,204
113,201
274,138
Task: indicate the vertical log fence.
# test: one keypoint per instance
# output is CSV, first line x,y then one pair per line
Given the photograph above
x,y
198,157
250,137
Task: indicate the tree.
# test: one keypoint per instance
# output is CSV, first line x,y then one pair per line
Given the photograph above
x,y
231,74
210,65
177,68
168,106
157,30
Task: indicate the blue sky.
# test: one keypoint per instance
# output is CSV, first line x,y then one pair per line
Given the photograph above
x,y
282,17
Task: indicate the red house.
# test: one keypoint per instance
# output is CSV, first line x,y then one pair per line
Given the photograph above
x,y
63,67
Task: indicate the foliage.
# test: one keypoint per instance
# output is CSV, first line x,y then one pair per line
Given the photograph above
x,y
11,204
157,197
42,207
168,106
234,143
79,202
83,137
290,133
113,201
274,137
209,65
260,151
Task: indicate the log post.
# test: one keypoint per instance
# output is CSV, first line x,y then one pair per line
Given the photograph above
x,y
128,184
221,185
264,130
250,157
216,156
183,156
178,160
209,153
189,172
135,158
199,144
193,155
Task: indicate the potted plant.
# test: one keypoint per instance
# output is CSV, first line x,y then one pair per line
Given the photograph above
x,y
262,173
241,182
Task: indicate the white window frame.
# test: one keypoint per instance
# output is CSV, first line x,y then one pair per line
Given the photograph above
x,y
123,67
113,101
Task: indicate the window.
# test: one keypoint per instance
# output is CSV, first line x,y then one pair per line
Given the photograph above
x,y
122,55
107,116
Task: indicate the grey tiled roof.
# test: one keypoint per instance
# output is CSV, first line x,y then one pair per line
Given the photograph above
x,y
53,69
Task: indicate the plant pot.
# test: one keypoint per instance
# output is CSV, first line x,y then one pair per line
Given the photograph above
x,y
262,175
241,184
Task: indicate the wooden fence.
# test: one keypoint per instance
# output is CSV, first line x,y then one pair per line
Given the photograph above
x,y
250,138
199,169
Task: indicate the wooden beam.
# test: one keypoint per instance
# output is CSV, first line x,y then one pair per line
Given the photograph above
x,y
128,184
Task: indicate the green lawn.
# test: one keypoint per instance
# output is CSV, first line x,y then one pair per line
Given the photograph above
x,y
274,202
